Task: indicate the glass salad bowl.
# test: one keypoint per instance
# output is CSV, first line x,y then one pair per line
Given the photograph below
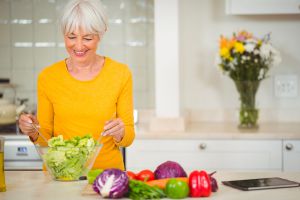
x,y
68,160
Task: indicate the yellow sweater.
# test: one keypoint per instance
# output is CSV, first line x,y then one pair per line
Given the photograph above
x,y
70,107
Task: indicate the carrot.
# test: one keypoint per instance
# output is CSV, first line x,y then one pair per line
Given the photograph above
x,y
161,183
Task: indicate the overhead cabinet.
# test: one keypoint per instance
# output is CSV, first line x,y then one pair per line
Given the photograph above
x,y
261,7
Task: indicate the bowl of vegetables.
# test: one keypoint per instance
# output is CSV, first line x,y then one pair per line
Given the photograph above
x,y
68,160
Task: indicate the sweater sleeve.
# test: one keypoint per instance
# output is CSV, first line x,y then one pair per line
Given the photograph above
x,y
125,109
44,111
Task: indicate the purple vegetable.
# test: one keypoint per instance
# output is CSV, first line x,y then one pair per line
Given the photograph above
x,y
169,169
213,182
111,183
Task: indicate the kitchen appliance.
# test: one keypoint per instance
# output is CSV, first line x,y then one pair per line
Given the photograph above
x,y
2,177
20,153
8,109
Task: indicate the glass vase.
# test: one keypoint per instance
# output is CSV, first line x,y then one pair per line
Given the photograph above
x,y
248,114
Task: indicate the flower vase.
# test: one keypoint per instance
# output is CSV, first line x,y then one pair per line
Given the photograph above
x,y
248,114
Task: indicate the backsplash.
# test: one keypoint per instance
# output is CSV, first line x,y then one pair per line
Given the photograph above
x,y
30,40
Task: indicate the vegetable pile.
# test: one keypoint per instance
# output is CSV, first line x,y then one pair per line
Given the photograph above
x,y
66,159
168,180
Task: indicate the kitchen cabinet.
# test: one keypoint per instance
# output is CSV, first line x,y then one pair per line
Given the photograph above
x,y
291,155
255,7
213,154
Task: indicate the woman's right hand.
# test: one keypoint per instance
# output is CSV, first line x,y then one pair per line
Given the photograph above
x,y
25,121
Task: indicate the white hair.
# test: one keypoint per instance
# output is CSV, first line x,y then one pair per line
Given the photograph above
x,y
85,15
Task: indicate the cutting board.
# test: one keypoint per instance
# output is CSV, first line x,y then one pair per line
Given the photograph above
x,y
88,190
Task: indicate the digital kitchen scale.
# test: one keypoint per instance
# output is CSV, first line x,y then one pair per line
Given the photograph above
x,y
261,183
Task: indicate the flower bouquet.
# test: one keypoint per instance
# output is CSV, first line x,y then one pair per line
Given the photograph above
x,y
246,60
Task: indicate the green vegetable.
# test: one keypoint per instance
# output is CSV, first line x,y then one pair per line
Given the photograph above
x,y
140,190
92,175
177,189
66,158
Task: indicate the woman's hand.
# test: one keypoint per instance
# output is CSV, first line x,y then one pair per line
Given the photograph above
x,y
114,128
25,121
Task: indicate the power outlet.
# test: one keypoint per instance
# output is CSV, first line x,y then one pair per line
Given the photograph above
x,y
286,86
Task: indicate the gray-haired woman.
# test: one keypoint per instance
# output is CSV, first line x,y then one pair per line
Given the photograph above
x,y
86,92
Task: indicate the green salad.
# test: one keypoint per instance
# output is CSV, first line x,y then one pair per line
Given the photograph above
x,y
66,158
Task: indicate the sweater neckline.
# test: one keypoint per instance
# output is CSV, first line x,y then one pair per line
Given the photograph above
x,y
106,62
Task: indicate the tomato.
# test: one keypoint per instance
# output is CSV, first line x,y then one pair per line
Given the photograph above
x,y
177,189
145,175
131,175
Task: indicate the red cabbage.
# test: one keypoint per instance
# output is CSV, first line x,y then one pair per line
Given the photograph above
x,y
111,183
169,169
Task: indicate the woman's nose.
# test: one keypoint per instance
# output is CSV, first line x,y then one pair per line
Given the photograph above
x,y
78,44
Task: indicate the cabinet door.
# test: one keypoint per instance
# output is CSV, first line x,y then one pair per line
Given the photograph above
x,y
291,155
206,154
255,7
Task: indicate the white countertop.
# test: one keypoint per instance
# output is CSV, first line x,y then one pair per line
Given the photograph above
x,y
215,130
33,185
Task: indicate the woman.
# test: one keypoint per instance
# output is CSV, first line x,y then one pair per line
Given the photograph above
x,y
86,93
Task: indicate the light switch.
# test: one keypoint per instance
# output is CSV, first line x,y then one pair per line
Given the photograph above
x,y
286,86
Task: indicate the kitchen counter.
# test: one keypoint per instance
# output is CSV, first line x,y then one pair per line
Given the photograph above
x,y
22,185
213,130
222,130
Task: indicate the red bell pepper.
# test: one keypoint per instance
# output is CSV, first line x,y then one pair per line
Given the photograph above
x,y
199,183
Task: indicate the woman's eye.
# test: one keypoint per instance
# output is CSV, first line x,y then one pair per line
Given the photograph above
x,y
71,38
88,39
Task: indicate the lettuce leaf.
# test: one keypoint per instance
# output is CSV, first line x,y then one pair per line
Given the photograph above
x,y
66,158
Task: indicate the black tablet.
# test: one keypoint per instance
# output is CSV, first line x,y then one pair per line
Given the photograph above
x,y
261,183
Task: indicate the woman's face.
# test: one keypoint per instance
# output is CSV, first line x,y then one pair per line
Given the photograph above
x,y
81,46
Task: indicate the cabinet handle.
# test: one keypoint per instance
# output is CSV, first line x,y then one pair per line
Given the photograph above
x,y
202,146
289,146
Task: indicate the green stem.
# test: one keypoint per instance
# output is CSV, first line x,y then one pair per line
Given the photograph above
x,y
248,111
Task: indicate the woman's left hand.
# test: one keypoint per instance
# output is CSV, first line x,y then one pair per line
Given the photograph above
x,y
114,128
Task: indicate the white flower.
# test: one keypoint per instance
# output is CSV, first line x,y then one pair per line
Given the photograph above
x,y
244,57
249,47
256,52
265,51
270,54
234,61
276,57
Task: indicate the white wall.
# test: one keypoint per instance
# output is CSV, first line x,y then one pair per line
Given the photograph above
x,y
205,91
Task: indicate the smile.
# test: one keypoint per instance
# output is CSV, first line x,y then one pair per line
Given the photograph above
x,y
80,53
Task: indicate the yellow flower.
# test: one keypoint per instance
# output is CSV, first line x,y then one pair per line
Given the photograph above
x,y
224,52
259,42
239,47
